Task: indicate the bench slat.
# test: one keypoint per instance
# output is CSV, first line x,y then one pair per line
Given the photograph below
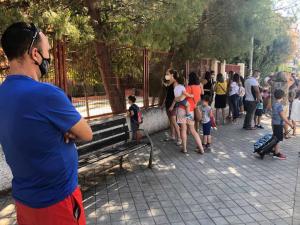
x,y
109,124
102,144
87,165
106,134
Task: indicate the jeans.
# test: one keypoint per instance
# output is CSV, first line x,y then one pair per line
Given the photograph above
x,y
234,99
250,107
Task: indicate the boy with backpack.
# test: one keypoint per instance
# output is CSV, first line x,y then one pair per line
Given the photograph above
x,y
278,120
135,117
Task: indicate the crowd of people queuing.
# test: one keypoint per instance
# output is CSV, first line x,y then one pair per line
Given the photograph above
x,y
194,100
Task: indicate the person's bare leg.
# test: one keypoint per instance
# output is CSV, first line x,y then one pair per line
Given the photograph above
x,y
209,139
176,127
223,116
259,120
197,126
183,132
255,121
276,148
217,121
286,131
294,128
196,138
205,139
172,128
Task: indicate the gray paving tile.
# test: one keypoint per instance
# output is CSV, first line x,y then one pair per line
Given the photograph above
x,y
220,221
198,190
160,219
206,221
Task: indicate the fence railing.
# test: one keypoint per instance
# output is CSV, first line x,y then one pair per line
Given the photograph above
x,y
135,71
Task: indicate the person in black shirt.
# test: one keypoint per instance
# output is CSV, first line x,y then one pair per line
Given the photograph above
x,y
174,128
133,113
208,86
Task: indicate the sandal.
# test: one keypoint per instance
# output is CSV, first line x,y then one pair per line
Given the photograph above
x,y
184,152
287,136
179,142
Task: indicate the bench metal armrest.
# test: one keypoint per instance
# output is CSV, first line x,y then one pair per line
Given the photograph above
x,y
151,145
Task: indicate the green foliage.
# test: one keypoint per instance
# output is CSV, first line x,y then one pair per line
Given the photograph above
x,y
191,28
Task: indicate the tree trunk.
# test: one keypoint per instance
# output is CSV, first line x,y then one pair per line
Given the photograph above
x,y
115,95
114,92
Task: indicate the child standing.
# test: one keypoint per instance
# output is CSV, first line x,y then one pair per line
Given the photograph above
x,y
258,115
278,120
207,114
133,113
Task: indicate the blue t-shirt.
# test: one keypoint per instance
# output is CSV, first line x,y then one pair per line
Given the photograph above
x,y
34,118
277,108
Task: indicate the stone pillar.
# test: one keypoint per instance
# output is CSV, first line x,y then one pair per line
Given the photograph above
x,y
242,69
223,67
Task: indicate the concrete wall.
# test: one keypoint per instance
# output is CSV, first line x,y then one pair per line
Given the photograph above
x,y
155,120
5,173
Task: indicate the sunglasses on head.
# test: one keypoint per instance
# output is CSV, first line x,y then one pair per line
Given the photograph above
x,y
35,31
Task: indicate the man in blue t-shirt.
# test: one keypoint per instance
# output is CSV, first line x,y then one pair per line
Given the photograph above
x,y
37,130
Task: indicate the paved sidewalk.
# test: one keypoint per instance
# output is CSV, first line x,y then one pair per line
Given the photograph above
x,y
226,186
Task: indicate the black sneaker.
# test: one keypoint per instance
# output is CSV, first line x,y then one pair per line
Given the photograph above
x,y
260,127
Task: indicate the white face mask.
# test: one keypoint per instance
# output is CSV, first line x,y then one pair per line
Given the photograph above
x,y
168,77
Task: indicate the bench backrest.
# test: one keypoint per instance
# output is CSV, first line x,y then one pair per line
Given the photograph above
x,y
105,134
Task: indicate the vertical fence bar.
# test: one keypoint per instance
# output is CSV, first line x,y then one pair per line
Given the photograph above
x,y
60,64
55,57
146,78
64,66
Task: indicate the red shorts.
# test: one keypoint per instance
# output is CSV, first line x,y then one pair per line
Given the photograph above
x,y
66,212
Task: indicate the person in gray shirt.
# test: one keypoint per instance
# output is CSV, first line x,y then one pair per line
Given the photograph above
x,y
278,121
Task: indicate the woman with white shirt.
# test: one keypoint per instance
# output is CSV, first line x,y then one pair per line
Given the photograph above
x,y
234,96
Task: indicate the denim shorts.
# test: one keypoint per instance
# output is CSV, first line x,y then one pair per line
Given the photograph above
x,y
206,128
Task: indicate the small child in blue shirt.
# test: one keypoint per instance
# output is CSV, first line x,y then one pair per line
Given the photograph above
x,y
278,120
258,114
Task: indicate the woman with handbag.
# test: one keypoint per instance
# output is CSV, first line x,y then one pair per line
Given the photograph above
x,y
193,88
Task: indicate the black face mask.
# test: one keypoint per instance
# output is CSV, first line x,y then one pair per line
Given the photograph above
x,y
44,66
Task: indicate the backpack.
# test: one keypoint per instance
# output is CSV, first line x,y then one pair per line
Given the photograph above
x,y
140,117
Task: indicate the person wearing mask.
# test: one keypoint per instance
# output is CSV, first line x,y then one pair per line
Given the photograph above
x,y
252,97
38,127
193,88
174,128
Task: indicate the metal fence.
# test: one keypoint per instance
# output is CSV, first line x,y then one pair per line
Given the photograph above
x,y
134,71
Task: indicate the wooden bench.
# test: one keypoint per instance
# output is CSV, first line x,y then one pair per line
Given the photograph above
x,y
111,140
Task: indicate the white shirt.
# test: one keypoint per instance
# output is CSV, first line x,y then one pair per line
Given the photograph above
x,y
242,91
251,81
234,89
178,90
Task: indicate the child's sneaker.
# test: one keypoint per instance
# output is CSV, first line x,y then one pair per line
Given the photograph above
x,y
189,116
207,147
279,156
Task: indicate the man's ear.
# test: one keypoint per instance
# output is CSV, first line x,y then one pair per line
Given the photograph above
x,y
34,54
